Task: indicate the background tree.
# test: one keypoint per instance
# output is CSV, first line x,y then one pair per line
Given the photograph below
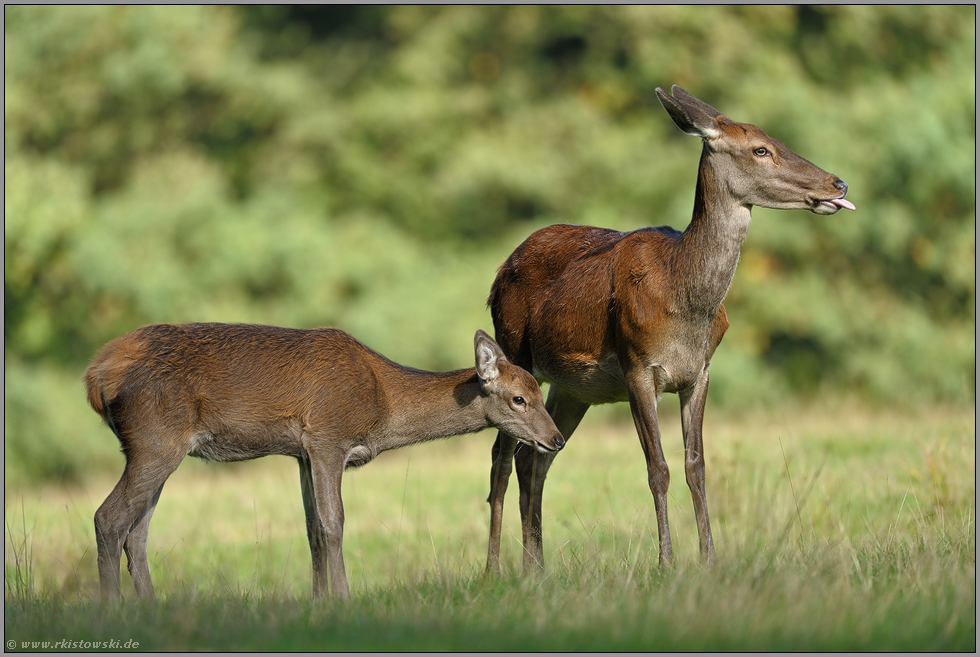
x,y
370,167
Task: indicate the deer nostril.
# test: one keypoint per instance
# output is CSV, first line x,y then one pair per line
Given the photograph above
x,y
841,185
559,441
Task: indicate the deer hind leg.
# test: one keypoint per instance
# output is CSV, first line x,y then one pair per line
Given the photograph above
x,y
127,510
532,470
692,419
135,547
503,458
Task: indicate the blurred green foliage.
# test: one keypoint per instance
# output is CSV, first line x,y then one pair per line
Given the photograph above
x,y
370,166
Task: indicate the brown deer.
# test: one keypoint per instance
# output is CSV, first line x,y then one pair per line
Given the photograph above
x,y
235,392
607,316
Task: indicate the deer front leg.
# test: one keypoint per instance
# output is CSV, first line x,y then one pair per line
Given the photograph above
x,y
321,480
314,530
643,404
503,458
692,419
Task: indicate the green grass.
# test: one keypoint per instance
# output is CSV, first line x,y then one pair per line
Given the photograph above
x,y
836,529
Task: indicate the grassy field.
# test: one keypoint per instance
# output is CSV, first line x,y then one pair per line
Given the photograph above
x,y
836,529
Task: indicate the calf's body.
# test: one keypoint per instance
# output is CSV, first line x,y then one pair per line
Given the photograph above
x,y
235,392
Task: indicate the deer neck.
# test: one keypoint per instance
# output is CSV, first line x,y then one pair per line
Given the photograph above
x,y
712,241
431,405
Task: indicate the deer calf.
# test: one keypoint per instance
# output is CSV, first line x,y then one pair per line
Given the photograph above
x,y
236,392
607,316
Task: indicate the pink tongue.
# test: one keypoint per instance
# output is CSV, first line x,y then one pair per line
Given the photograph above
x,y
844,204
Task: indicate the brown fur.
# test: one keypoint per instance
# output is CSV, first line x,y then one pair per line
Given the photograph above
x,y
234,392
609,316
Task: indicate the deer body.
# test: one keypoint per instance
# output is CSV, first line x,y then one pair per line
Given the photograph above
x,y
608,316
236,392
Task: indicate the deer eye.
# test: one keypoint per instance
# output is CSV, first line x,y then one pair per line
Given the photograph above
x,y
520,401
761,151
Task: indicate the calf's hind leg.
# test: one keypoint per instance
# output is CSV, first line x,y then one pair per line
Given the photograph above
x,y
124,519
135,547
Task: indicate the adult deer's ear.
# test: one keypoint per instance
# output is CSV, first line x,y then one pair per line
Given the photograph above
x,y
488,355
693,116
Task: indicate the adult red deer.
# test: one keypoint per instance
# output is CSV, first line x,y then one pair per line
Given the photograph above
x,y
236,392
606,316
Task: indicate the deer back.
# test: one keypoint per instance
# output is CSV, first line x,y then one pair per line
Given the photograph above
x,y
575,303
260,388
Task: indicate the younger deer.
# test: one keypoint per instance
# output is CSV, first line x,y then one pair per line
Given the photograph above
x,y
236,392
607,316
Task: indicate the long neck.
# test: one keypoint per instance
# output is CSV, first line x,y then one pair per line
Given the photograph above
x,y
712,241
431,405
